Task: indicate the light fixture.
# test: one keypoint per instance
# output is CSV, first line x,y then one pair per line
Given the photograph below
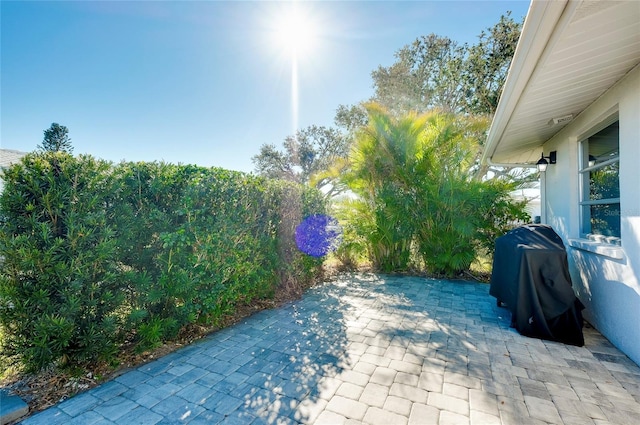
x,y
561,120
543,163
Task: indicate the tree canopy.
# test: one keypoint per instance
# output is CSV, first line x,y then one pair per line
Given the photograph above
x,y
309,151
437,72
56,139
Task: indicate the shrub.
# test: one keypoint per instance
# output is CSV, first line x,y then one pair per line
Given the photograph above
x,y
416,193
58,287
289,204
97,254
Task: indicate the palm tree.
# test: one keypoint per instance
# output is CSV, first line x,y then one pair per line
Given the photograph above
x,y
415,190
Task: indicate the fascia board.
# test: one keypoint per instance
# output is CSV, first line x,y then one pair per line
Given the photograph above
x,y
539,26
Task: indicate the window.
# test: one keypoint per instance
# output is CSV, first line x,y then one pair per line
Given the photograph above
x,y
600,197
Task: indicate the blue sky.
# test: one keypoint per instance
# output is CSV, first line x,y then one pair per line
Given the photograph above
x,y
202,82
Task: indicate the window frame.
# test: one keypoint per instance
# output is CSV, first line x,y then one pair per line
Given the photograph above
x,y
584,170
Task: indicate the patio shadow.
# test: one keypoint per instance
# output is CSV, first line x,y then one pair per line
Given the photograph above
x,y
299,350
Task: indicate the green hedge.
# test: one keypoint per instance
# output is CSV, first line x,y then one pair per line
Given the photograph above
x,y
96,254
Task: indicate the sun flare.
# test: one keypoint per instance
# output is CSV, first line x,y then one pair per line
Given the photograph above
x,y
295,39
295,33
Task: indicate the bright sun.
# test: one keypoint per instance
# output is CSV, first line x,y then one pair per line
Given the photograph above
x,y
296,37
295,33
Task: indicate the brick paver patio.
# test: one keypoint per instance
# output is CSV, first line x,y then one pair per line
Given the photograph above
x,y
376,350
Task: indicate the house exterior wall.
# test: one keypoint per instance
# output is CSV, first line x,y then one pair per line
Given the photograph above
x,y
606,278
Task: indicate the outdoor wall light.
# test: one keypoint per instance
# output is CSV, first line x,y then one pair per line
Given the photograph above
x,y
543,163
561,120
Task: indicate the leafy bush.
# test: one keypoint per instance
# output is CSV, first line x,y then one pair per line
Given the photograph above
x,y
416,194
59,289
289,204
147,212
352,250
97,254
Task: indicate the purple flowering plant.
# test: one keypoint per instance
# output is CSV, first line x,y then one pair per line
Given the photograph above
x,y
318,235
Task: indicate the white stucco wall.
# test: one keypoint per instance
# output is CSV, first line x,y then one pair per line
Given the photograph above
x,y
608,286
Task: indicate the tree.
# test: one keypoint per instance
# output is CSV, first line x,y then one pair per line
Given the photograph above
x,y
56,139
427,74
274,164
416,195
437,72
351,118
308,152
487,65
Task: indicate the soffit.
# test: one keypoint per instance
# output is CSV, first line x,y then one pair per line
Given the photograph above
x,y
587,53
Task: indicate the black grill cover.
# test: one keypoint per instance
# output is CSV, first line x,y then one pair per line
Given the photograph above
x,y
531,276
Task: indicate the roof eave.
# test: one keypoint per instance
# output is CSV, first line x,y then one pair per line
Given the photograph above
x,y
540,24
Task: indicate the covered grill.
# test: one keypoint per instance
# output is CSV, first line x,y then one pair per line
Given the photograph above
x,y
531,276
